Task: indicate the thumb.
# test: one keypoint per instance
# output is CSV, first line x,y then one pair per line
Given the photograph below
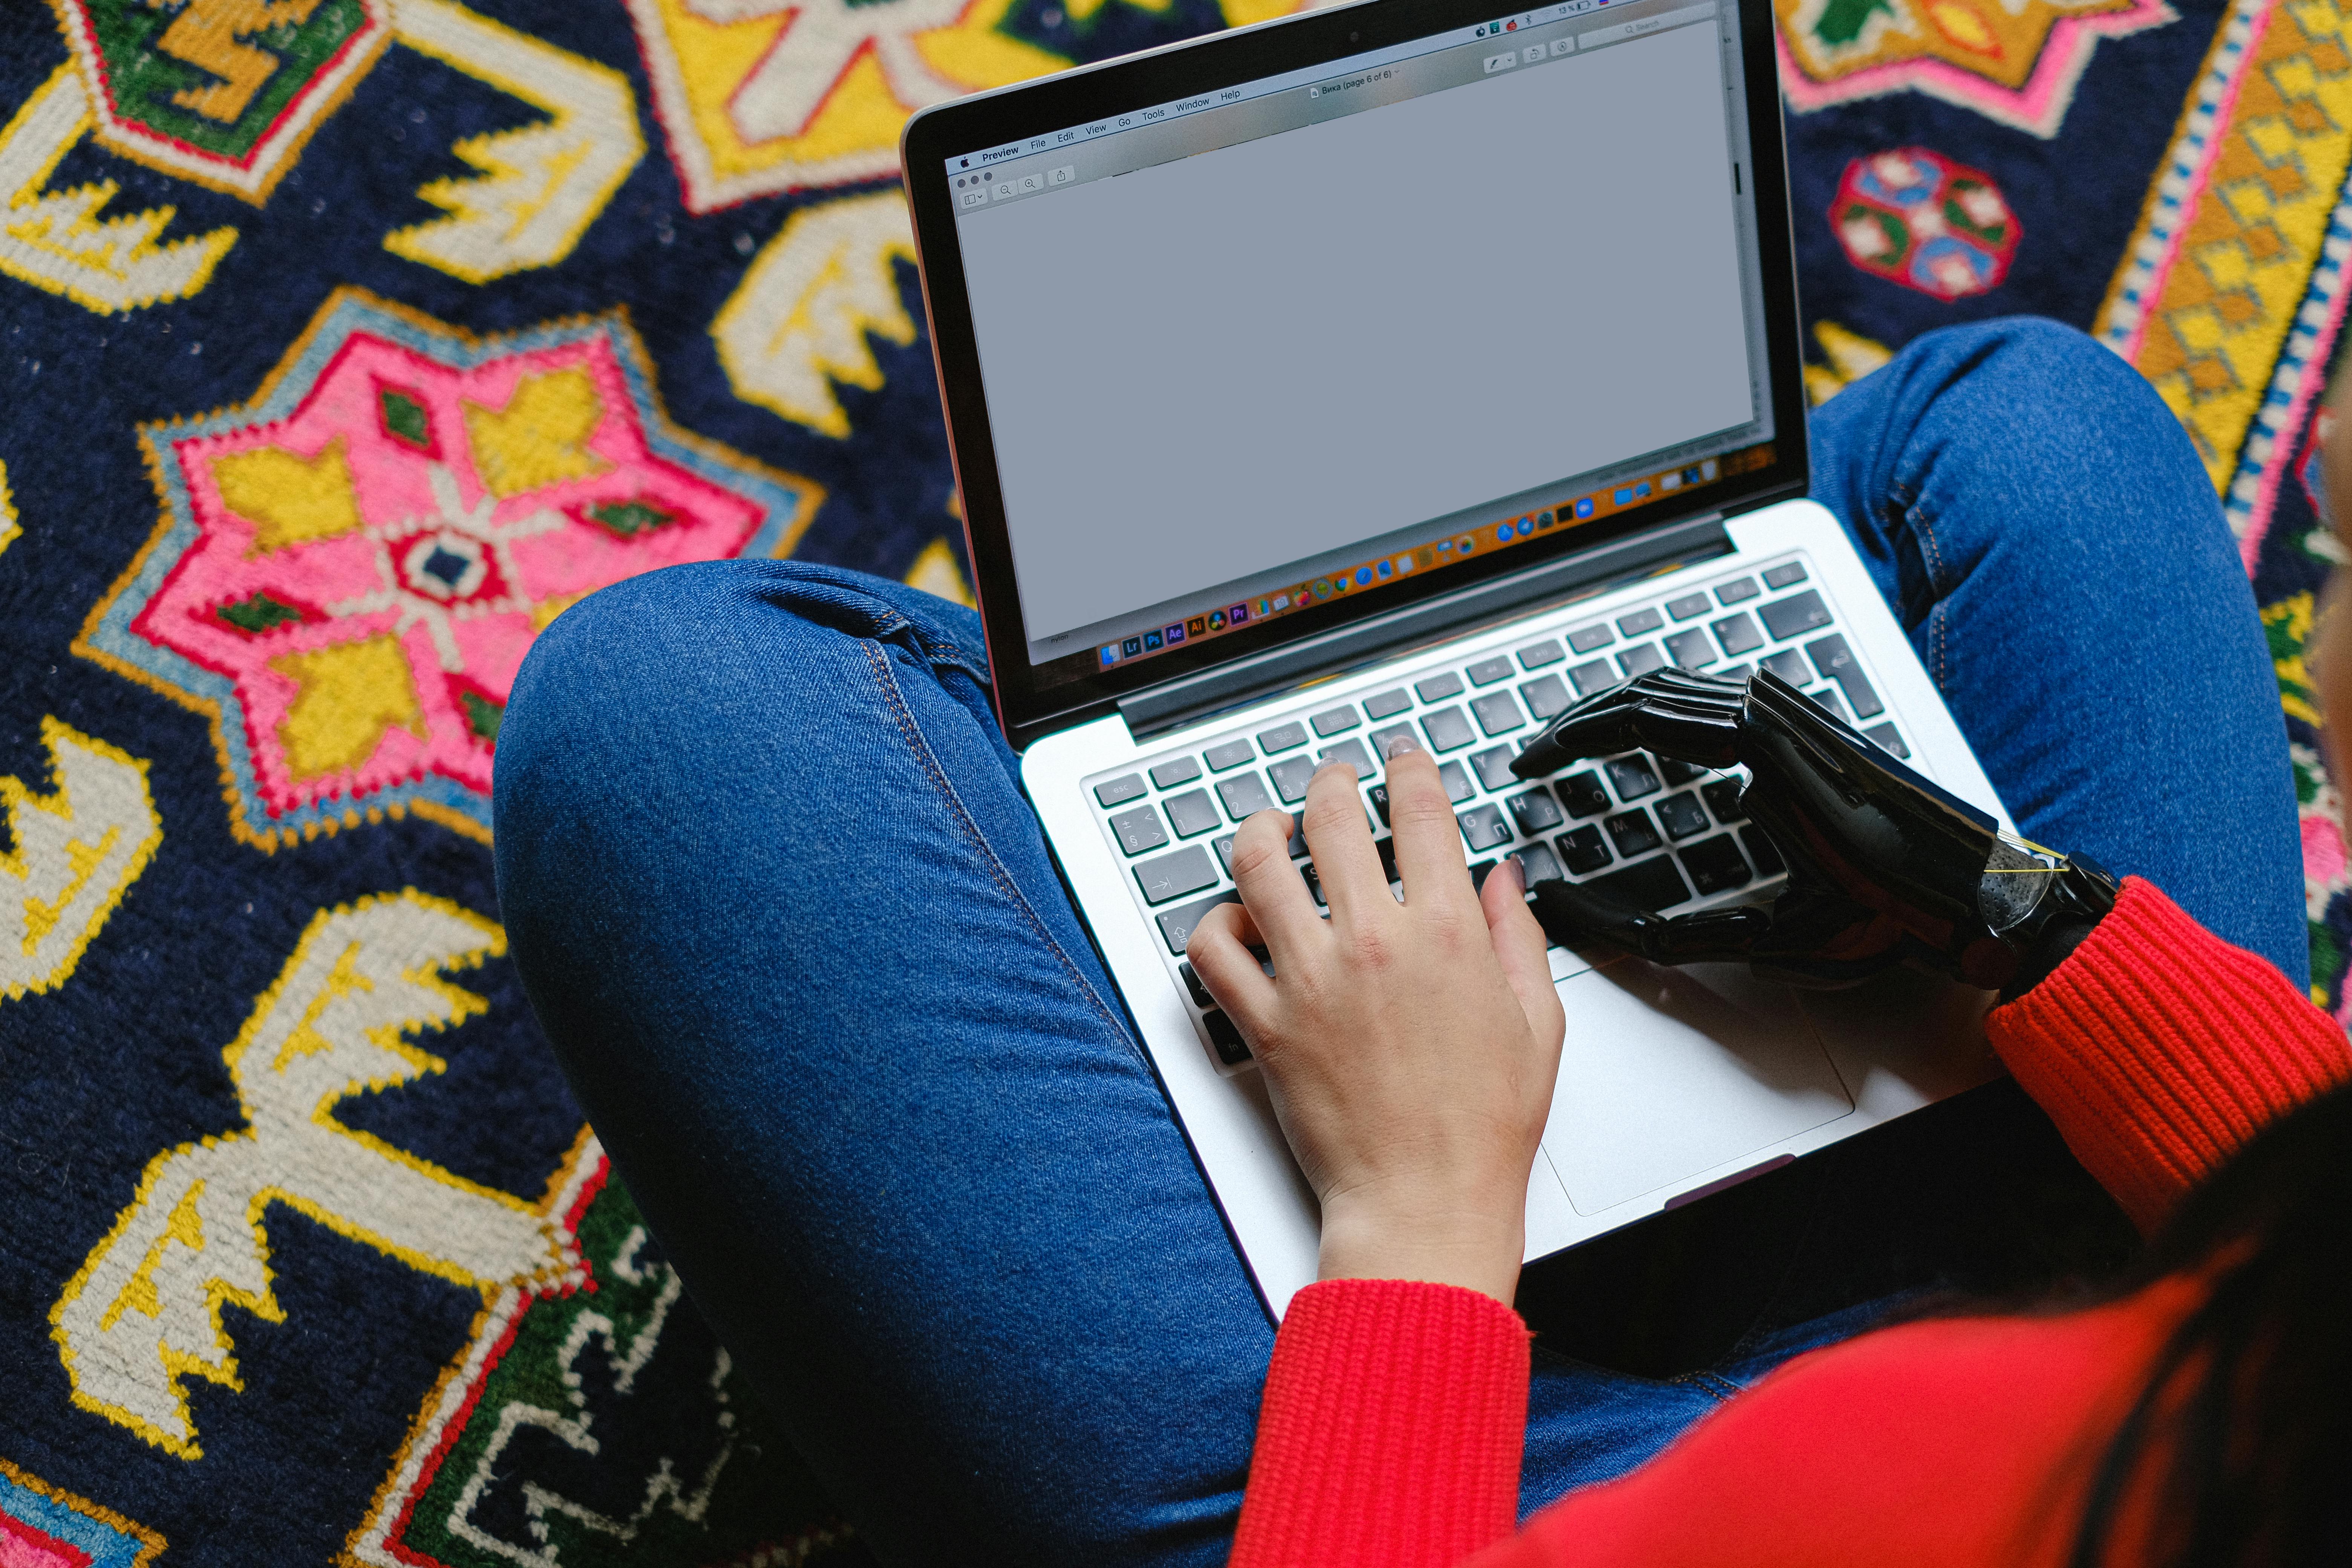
x,y
1520,944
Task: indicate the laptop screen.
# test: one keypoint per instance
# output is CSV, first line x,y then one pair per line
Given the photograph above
x,y
1315,335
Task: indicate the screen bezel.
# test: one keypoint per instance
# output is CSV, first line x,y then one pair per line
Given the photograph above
x,y
1027,711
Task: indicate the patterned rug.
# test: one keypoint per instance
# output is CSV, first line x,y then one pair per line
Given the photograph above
x,y
344,343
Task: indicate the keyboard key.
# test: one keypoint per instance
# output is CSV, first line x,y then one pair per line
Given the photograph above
x,y
1290,776
1281,738
1447,729
1487,671
1498,712
1653,885
1335,721
1176,925
1597,676
1174,771
1232,1049
1380,794
1139,830
1737,633
1582,794
1737,674
1632,778
1314,884
1682,816
1535,812
1536,654
1723,799
1826,700
1789,665
1788,571
1244,795
1192,812
1482,828
1716,866
1536,865
1584,850
1384,741
1225,848
1584,640
1890,741
1794,615
1200,997
1545,697
1641,660
1640,623
1439,687
1739,590
1677,773
1387,704
1762,850
1188,871
1688,605
1229,756
1119,792
1690,649
1836,662
1494,767
1387,847
1633,833
1350,751
1458,787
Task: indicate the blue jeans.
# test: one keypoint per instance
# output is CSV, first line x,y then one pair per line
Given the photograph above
x,y
777,898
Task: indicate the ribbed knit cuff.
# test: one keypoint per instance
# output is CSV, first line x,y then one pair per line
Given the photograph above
x,y
2159,1050
1391,1431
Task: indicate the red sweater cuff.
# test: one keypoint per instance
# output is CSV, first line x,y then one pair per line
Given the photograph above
x,y
1391,1431
2159,1050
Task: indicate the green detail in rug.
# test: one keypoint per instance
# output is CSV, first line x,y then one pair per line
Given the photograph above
x,y
404,419
483,716
1841,22
258,614
216,74
2288,625
614,1431
630,517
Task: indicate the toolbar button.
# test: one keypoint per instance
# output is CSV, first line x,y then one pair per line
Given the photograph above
x,y
1562,46
1500,63
975,198
1532,53
1030,183
1063,175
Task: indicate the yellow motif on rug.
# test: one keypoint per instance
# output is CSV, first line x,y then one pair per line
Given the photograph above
x,y
144,1311
74,853
2209,301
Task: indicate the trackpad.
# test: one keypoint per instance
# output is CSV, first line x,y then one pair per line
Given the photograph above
x,y
1670,1072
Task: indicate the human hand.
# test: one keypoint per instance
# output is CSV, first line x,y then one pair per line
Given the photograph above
x,y
1409,1048
1884,867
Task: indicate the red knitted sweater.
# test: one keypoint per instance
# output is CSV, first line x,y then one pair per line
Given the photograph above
x,y
1394,1413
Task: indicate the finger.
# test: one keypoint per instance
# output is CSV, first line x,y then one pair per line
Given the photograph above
x,y
1575,917
1519,946
1428,840
1693,718
1271,886
1220,954
1340,840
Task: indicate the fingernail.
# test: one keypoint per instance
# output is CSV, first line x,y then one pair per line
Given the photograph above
x,y
1519,877
1337,763
1400,744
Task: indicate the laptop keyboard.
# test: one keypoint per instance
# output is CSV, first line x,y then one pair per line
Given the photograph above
x,y
1646,830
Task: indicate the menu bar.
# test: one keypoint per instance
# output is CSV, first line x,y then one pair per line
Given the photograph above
x,y
1318,79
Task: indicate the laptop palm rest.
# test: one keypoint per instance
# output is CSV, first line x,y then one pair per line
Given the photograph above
x,y
1671,1072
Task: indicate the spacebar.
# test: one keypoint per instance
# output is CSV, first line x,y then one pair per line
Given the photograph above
x,y
1651,885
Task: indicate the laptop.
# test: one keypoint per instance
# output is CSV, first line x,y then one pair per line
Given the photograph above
x,y
1399,367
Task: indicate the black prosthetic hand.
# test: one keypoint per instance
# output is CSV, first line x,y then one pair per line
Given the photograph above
x,y
1884,867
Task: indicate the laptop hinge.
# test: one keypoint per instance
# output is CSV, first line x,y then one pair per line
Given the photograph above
x,y
1178,703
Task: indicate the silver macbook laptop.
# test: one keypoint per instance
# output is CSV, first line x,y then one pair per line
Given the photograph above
x,y
1398,367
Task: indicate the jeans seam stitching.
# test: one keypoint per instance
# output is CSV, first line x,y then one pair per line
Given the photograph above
x,y
913,733
1923,524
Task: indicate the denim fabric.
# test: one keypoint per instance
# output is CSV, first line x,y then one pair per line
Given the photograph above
x,y
776,894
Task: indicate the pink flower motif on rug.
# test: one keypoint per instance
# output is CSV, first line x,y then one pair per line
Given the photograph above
x,y
351,569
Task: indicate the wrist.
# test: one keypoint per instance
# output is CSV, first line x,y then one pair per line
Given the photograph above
x,y
1475,1244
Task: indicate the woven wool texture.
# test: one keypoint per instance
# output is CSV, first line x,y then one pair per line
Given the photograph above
x,y
344,343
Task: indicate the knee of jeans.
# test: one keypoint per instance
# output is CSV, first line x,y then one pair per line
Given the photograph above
x,y
2038,364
